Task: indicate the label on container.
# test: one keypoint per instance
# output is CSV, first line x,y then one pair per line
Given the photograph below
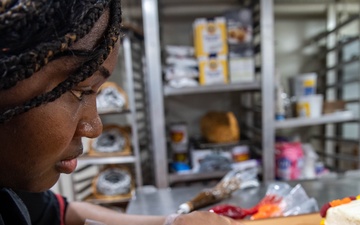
x,y
283,168
240,153
289,160
303,109
210,36
213,70
179,137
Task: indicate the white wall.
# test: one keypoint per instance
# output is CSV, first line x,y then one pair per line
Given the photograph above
x,y
290,34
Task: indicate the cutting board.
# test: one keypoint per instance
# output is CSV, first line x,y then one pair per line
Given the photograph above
x,y
306,219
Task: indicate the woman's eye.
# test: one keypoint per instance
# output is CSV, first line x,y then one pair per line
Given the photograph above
x,y
79,94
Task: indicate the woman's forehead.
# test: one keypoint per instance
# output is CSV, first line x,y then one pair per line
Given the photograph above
x,y
56,71
89,41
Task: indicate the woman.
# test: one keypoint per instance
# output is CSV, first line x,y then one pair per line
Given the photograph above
x,y
54,55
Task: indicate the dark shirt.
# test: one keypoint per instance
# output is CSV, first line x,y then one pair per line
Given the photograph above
x,y
24,208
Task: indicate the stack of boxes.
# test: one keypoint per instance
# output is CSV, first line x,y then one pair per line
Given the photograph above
x,y
211,50
224,49
240,38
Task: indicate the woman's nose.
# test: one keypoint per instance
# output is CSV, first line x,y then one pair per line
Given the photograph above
x,y
90,128
90,124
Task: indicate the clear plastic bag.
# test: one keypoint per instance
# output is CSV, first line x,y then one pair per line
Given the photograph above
x,y
282,200
278,188
242,176
296,196
308,206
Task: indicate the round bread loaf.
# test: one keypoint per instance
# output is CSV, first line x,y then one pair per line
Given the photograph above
x,y
220,127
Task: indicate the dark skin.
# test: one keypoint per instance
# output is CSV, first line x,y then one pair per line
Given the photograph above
x,y
35,163
38,145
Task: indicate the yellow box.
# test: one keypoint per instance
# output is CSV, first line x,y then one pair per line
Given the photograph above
x,y
213,70
210,36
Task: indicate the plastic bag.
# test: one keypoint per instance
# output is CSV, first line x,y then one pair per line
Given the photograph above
x,y
243,176
308,206
280,200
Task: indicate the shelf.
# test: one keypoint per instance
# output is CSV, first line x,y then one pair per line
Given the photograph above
x,y
342,64
106,160
337,117
249,86
204,145
326,33
123,199
184,177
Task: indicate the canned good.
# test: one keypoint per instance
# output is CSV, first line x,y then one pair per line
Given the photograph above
x,y
179,137
240,153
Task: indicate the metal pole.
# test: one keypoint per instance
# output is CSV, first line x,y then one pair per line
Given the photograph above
x,y
331,60
267,83
156,106
358,147
131,94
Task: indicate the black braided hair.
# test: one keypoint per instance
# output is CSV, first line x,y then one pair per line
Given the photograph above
x,y
32,33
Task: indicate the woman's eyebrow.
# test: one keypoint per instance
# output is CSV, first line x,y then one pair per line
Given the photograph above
x,y
86,54
104,72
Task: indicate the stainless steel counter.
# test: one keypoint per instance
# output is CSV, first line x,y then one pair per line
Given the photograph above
x,y
166,201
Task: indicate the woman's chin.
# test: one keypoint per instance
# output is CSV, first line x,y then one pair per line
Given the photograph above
x,y
41,186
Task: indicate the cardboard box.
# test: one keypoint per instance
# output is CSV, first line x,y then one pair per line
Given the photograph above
x,y
334,106
242,69
213,69
239,27
241,53
198,155
306,219
210,36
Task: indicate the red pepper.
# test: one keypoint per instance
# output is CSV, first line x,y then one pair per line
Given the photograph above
x,y
236,212
230,211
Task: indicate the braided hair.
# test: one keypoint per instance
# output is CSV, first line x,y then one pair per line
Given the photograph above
x,y
35,32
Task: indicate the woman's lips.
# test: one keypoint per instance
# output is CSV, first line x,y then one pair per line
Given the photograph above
x,y
67,166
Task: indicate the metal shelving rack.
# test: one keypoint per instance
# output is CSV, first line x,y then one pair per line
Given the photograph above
x,y
250,86
89,166
265,89
334,81
338,117
257,99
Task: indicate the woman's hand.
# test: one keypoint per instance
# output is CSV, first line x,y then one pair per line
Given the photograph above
x,y
203,217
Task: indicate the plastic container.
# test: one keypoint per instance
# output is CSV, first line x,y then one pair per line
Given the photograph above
x,y
309,106
289,160
304,84
240,153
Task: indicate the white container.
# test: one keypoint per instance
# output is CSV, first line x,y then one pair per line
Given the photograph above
x,y
309,106
240,153
241,69
304,84
179,138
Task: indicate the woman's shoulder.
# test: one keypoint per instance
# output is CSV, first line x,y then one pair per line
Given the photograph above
x,y
12,209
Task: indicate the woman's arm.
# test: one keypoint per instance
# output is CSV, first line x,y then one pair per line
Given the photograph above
x,y
78,212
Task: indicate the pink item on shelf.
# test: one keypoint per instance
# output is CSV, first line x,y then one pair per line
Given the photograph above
x,y
289,160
